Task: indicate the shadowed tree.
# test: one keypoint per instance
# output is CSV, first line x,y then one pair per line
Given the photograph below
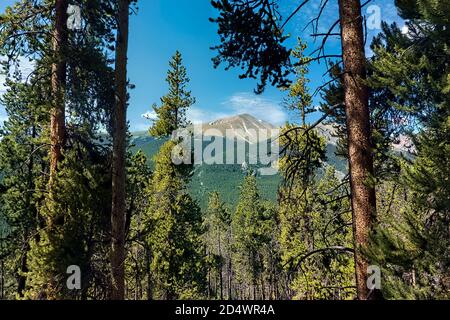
x,y
119,150
70,73
58,81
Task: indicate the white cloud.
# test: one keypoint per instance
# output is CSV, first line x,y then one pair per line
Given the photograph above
x,y
262,108
150,115
198,115
243,102
405,29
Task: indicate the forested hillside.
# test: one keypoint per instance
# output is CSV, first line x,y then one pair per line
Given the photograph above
x,y
346,197
226,178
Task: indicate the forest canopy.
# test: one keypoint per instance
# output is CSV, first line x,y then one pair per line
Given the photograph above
x,y
358,207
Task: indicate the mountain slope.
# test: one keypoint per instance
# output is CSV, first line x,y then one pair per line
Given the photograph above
x,y
226,178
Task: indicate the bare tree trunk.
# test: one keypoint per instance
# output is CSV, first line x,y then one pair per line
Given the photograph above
x,y
221,265
21,279
119,149
359,140
58,80
2,280
26,236
209,277
149,276
229,267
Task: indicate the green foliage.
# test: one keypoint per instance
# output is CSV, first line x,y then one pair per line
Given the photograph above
x,y
175,221
314,213
138,276
172,112
252,40
248,246
217,223
22,157
412,243
66,227
299,99
76,219
304,152
252,225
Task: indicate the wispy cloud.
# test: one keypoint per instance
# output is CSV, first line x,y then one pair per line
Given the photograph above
x,y
150,115
262,108
239,103
198,115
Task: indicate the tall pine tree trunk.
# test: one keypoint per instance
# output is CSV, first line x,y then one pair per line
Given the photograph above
x,y
58,80
119,149
359,141
2,279
229,267
221,265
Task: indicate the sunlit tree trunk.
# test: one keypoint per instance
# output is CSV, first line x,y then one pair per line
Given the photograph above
x,y
359,140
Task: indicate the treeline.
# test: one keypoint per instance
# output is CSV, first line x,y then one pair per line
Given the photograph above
x,y
72,193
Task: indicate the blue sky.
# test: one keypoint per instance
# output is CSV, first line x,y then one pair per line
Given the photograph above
x,y
163,26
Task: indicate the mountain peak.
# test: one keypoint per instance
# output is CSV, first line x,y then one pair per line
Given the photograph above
x,y
241,119
243,126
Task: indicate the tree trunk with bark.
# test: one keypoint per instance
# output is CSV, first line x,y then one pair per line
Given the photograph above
x,y
359,139
119,149
58,82
221,265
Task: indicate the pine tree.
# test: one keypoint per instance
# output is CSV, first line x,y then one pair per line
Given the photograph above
x,y
58,82
356,100
299,99
252,228
175,223
174,105
315,239
411,246
60,219
138,275
119,150
217,241
252,38
22,157
79,220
